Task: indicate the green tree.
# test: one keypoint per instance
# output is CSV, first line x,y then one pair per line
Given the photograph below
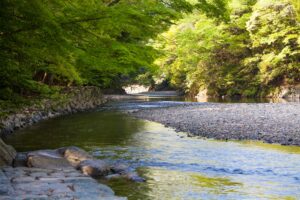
x,y
252,54
98,42
275,42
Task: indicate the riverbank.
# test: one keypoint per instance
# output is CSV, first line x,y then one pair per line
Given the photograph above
x,y
268,122
59,182
71,100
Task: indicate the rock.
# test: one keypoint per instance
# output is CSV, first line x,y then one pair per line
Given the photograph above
x,y
79,99
7,154
133,176
94,168
5,187
113,176
119,168
46,159
75,155
123,171
22,183
20,160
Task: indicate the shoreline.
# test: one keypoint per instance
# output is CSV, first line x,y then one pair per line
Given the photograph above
x,y
267,122
61,182
77,99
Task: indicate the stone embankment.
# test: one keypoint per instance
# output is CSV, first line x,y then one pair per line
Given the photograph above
x,y
36,183
73,100
64,173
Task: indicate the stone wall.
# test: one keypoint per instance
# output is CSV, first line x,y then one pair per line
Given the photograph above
x,y
74,99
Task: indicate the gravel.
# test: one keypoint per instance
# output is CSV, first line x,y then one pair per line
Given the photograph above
x,y
269,122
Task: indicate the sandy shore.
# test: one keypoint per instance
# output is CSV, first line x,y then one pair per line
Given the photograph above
x,y
269,122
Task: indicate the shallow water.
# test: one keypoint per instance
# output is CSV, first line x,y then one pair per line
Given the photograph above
x,y
175,166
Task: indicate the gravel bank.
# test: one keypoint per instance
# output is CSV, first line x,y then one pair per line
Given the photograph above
x,y
271,123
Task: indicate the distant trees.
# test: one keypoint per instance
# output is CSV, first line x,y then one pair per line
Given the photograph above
x,y
251,53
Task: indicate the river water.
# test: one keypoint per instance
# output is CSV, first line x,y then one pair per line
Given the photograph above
x,y
175,166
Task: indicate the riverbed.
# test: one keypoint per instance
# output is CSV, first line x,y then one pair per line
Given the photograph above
x,y
175,166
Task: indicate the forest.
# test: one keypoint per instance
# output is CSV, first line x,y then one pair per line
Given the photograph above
x,y
212,109
223,47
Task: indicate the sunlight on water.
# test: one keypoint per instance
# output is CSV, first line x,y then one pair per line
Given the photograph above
x,y
277,147
175,166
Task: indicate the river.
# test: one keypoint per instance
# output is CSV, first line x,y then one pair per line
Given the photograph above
x,y
174,165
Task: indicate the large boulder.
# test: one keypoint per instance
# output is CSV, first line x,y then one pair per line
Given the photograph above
x,y
47,159
7,154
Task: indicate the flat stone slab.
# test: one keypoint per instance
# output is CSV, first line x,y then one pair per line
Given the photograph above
x,y
34,183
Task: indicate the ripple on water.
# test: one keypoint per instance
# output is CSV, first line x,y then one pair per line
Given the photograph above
x,y
175,166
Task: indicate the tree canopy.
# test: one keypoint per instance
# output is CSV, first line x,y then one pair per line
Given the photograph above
x,y
96,42
252,54
229,47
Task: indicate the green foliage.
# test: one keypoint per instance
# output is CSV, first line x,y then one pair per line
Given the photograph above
x,y
296,4
228,47
274,32
254,52
215,8
98,42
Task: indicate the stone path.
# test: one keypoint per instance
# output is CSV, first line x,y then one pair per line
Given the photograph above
x,y
35,183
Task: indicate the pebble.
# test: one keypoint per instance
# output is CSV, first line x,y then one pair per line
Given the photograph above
x,y
269,122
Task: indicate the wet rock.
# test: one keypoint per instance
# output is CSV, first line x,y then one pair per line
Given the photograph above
x,y
20,160
133,176
7,154
94,168
46,159
113,176
75,155
119,168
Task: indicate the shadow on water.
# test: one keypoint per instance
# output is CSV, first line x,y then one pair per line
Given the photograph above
x,y
175,166
85,130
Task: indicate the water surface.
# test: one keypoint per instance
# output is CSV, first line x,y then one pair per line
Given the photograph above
x,y
175,166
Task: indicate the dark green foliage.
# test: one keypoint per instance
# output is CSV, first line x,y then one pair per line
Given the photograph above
x,y
215,8
90,42
228,47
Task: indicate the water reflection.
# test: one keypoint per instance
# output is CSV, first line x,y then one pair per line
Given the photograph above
x,y
175,166
86,130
